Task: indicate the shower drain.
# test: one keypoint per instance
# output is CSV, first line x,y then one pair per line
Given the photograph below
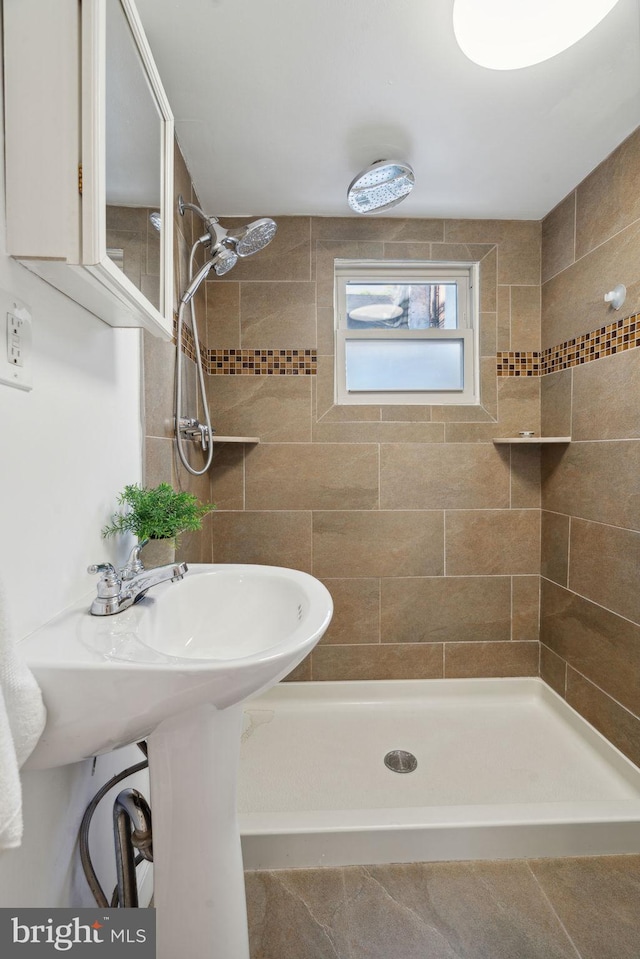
x,y
400,761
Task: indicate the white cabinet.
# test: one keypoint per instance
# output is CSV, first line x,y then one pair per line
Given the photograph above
x,y
89,141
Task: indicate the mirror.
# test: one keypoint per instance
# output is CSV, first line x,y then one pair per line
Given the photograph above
x,y
89,144
133,161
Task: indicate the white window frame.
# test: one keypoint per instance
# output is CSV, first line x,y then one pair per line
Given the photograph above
x,y
409,271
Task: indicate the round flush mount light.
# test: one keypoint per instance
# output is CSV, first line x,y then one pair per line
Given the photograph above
x,y
380,187
511,34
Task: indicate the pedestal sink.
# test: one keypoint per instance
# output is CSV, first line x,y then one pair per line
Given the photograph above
x,y
175,669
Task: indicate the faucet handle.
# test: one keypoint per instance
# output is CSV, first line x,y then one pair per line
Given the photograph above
x,y
108,589
109,584
107,568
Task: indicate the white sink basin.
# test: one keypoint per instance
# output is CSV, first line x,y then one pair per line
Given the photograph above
x,y
221,635
175,669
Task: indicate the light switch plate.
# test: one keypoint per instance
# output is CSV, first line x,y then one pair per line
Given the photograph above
x,y
15,342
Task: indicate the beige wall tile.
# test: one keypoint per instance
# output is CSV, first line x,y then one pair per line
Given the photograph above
x,y
277,409
558,238
606,398
377,543
519,253
465,660
555,397
488,334
376,228
602,646
223,315
461,252
554,561
620,726
525,606
278,315
449,476
553,670
472,432
525,477
270,538
573,301
597,481
195,547
406,414
158,461
356,611
407,251
604,566
159,365
488,393
472,414
519,404
199,486
381,432
401,661
492,542
227,475
312,476
504,318
608,200
445,609
488,282
525,317
326,330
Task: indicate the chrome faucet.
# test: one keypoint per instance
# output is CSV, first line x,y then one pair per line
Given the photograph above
x,y
119,589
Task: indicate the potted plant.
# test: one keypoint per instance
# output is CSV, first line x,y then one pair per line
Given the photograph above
x,y
157,513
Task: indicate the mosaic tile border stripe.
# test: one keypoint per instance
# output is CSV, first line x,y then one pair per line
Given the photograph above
x,y
262,362
188,342
606,341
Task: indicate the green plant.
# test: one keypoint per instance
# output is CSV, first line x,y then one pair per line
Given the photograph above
x,y
158,513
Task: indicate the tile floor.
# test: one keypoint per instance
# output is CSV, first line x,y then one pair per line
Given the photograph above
x,y
535,909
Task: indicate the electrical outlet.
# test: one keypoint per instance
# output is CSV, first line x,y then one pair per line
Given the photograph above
x,y
15,342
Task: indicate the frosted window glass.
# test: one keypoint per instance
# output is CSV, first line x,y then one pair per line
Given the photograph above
x,y
407,364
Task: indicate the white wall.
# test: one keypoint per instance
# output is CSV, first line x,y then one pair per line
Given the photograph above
x,y
66,450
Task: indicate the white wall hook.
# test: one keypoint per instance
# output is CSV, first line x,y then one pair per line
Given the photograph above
x,y
616,296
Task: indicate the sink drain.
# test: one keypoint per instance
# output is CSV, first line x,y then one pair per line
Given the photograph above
x,y
400,761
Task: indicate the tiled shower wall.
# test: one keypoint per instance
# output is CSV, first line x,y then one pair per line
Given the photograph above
x,y
590,626
426,534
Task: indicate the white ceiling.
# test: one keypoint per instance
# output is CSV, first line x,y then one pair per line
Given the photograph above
x,y
279,103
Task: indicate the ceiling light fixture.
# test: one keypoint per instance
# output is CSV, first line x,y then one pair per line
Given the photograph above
x,y
511,34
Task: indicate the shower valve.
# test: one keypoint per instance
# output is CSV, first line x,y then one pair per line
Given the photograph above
x,y
193,429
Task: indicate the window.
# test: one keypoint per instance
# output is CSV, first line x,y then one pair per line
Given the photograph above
x,y
405,332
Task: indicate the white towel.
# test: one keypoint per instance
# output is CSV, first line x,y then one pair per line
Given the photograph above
x,y
22,719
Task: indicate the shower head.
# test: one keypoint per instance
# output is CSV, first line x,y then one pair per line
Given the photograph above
x,y
226,246
221,262
380,187
254,236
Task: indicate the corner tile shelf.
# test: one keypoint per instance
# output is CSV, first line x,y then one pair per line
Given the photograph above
x,y
539,440
236,439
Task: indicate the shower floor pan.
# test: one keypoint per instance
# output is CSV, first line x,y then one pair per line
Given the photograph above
x,y
505,769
